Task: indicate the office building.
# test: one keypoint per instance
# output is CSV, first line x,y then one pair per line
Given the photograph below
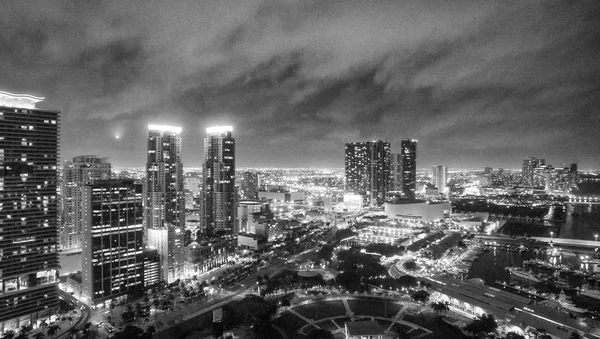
x,y
367,167
165,199
112,259
529,166
244,214
396,172
83,170
409,167
29,152
439,177
218,206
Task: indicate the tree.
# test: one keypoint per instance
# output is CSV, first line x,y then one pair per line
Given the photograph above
x,y
38,335
9,335
256,312
484,323
420,296
575,335
53,329
65,307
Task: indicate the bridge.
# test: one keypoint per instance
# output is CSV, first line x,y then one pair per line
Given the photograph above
x,y
590,244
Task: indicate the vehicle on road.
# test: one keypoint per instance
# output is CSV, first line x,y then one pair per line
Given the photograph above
x,y
109,328
100,324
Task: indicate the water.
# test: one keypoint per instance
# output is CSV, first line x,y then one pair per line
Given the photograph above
x,y
582,226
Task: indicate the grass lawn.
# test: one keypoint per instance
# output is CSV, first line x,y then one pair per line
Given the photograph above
x,y
374,307
289,322
321,310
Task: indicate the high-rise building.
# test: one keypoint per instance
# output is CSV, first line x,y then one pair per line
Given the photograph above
x,y
249,186
83,170
218,205
165,199
29,152
439,177
409,167
112,258
529,166
396,172
367,167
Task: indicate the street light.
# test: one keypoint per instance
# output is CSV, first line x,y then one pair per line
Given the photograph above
x,y
551,235
596,236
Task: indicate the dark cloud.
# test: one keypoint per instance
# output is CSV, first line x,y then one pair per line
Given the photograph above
x,y
477,83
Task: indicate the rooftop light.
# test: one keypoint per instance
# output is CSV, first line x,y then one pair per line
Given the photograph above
x,y
219,129
165,128
18,100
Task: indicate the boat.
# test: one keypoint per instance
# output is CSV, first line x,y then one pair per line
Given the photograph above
x,y
560,283
524,275
567,305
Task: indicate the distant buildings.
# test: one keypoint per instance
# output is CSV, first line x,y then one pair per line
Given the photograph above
x,y
416,210
217,206
29,149
249,186
204,256
409,167
367,167
529,166
396,172
83,170
439,177
113,232
165,199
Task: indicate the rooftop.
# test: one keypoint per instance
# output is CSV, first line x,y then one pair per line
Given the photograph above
x,y
364,328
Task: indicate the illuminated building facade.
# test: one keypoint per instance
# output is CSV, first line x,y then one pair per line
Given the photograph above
x,y
439,177
409,167
202,257
367,167
165,199
218,206
529,166
245,211
396,172
83,170
29,152
249,186
112,219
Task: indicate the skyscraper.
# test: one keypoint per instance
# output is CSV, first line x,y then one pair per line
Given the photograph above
x,y
396,172
83,170
218,189
409,167
249,186
367,167
29,148
112,220
529,166
439,177
165,199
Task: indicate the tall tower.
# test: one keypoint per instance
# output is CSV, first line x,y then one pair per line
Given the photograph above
x,y
165,199
367,167
409,167
396,172
439,177
218,201
113,231
529,166
29,149
83,170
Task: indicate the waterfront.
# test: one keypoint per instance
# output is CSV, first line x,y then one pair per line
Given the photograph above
x,y
578,222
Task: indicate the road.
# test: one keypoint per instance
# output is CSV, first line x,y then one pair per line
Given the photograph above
x,y
86,314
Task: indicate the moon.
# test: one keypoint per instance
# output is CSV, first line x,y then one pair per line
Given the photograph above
x,y
117,137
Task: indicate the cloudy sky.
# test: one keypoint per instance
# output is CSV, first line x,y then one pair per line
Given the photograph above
x,y
478,83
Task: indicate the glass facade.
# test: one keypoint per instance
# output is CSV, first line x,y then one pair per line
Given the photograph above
x,y
112,239
368,169
29,151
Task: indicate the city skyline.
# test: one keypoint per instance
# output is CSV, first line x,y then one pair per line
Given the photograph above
x,y
478,85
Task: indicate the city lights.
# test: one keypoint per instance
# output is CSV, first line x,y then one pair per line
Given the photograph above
x,y
164,128
18,100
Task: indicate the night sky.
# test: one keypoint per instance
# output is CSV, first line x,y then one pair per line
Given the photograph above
x,y
478,83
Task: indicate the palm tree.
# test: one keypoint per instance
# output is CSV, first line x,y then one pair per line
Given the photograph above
x,y
53,329
38,335
9,335
73,332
